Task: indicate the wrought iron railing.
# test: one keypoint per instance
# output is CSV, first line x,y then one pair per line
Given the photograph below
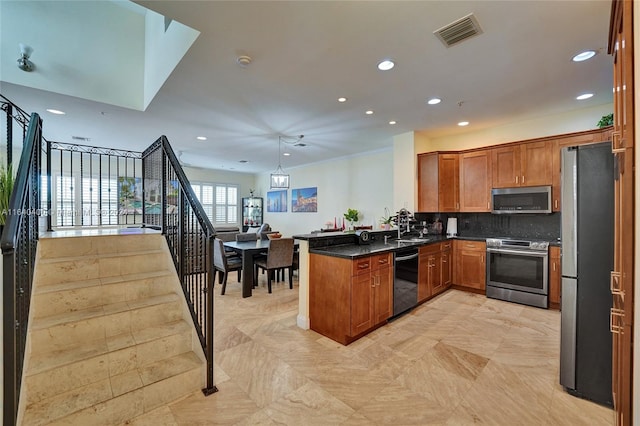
x,y
17,114
171,205
93,186
19,242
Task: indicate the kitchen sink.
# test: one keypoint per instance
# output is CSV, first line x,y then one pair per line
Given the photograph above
x,y
414,240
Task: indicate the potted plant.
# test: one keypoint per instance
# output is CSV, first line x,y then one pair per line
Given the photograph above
x,y
606,121
386,220
7,181
351,216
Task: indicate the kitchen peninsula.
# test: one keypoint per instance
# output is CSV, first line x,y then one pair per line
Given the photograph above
x,y
350,286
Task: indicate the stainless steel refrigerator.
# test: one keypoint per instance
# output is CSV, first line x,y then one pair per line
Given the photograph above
x,y
587,261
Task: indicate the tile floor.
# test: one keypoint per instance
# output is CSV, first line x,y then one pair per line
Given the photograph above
x,y
458,359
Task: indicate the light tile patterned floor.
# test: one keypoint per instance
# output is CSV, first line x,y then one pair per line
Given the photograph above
x,y
456,360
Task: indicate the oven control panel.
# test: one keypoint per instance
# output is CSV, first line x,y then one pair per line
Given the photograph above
x,y
517,244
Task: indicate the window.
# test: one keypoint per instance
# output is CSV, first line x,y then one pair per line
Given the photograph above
x,y
98,207
224,208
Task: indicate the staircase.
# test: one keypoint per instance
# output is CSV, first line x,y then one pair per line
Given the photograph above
x,y
110,334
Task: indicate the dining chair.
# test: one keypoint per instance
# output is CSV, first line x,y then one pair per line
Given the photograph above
x,y
224,264
247,236
295,265
280,255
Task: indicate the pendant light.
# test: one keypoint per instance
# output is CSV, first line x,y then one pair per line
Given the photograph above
x,y
279,179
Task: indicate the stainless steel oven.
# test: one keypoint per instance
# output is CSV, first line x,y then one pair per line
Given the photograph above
x,y
518,271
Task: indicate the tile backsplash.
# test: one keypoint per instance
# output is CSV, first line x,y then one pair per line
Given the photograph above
x,y
531,226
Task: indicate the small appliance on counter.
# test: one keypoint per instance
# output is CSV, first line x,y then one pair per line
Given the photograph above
x,y
452,227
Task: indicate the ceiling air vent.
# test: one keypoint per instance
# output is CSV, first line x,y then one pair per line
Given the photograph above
x,y
459,30
81,138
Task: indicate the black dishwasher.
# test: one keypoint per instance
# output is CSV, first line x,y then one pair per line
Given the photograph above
x,y
405,282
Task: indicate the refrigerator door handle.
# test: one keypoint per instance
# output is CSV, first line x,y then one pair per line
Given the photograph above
x,y
568,332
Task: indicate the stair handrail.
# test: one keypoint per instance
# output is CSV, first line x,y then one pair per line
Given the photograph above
x,y
181,240
18,243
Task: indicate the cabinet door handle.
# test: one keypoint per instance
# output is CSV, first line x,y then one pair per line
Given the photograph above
x,y
523,179
615,142
517,179
616,328
482,259
554,266
488,205
555,204
373,282
616,290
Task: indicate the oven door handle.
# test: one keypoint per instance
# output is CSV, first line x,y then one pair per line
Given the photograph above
x,y
519,252
411,256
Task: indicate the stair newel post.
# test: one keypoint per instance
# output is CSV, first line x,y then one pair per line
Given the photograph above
x,y
49,225
10,344
211,387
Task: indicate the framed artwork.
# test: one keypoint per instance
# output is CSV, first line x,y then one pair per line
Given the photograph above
x,y
277,201
304,200
130,196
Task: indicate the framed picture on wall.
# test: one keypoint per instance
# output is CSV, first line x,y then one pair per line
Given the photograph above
x,y
304,200
277,201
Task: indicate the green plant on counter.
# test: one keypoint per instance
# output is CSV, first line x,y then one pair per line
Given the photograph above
x,y
7,180
606,121
351,215
387,219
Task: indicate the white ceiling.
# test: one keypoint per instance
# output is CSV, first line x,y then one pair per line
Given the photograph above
x,y
306,54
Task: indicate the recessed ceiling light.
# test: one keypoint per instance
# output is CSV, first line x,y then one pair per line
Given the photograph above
x,y
434,101
386,65
286,154
342,99
584,96
201,138
583,56
369,112
56,111
463,123
392,122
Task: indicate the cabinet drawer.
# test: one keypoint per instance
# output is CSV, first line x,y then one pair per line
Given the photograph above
x,y
445,245
430,249
380,260
361,265
471,245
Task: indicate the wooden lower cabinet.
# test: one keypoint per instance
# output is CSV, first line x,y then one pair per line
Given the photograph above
x,y
555,277
435,270
348,297
470,259
447,264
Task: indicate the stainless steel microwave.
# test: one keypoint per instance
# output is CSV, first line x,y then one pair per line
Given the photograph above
x,y
531,199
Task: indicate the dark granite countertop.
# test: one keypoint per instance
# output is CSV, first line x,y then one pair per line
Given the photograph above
x,y
344,244
354,251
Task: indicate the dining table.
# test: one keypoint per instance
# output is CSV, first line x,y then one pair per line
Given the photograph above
x,y
248,251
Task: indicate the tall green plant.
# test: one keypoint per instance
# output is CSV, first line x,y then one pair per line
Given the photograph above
x,y
7,180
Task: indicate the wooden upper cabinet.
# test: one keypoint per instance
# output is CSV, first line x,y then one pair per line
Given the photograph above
x,y
428,182
475,181
438,182
505,166
535,165
526,164
556,173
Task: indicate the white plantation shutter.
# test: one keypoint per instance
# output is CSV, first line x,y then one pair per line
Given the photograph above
x,y
65,206
219,201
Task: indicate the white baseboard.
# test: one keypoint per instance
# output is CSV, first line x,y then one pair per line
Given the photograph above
x,y
303,322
